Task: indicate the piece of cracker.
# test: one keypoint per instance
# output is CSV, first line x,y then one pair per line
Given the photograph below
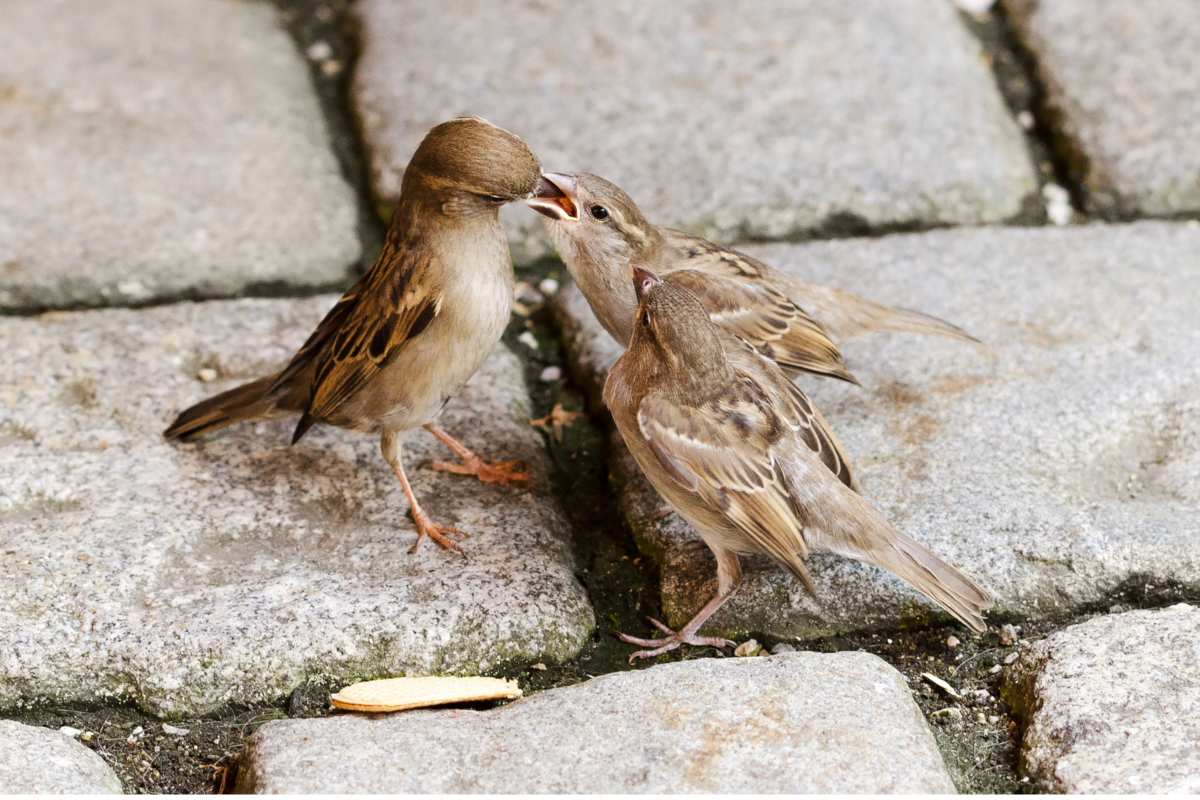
x,y
397,694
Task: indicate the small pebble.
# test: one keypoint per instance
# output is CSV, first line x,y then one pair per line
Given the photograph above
x,y
1058,203
747,648
1026,120
208,375
981,718
782,647
1011,657
995,669
171,730
529,340
539,666
319,51
549,287
1025,779
332,67
952,641
551,374
952,713
86,736
993,719
1008,635
975,6
527,294
67,730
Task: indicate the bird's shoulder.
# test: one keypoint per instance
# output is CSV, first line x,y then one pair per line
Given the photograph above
x,y
393,302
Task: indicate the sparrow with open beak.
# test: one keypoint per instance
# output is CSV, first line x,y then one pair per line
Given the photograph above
x,y
419,323
739,451
599,231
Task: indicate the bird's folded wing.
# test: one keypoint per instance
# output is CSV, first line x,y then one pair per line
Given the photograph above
x,y
808,421
765,317
723,452
739,295
397,300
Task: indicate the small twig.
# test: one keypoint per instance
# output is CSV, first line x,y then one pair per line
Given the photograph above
x,y
954,671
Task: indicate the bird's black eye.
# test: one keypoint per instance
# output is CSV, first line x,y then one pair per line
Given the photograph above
x,y
598,212
495,198
646,319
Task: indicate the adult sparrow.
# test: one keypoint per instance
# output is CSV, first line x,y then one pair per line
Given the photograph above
x,y
419,323
599,231
739,451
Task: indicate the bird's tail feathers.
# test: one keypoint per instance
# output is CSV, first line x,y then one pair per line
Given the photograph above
x,y
844,314
246,402
941,582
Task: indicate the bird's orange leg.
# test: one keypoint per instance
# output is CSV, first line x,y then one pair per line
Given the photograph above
x,y
508,473
390,445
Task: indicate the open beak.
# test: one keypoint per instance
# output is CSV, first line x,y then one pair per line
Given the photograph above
x,y
555,197
643,281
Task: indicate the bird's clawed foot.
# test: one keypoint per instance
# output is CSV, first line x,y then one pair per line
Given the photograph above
x,y
556,419
671,641
427,527
507,473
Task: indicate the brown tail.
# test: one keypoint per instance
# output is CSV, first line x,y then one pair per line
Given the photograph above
x,y
844,314
245,402
864,534
941,582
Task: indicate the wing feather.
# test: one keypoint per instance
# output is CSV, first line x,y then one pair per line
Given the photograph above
x,y
731,465
365,332
740,297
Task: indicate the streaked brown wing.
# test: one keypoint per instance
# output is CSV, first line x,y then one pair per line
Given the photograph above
x,y
739,297
806,419
395,301
723,451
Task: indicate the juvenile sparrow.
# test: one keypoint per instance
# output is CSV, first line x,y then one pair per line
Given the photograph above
x,y
418,324
739,451
599,231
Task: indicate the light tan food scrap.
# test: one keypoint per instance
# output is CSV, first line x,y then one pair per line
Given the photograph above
x,y
397,694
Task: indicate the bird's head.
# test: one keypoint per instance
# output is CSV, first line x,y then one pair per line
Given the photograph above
x,y
474,162
588,216
672,331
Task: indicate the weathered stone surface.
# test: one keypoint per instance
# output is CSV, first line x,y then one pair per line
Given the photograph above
x,y
799,722
1052,465
764,120
1112,706
1121,79
43,761
185,576
155,150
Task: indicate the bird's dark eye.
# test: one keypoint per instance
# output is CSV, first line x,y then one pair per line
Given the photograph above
x,y
598,212
646,319
495,198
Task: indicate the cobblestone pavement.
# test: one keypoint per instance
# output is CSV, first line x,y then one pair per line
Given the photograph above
x,y
181,186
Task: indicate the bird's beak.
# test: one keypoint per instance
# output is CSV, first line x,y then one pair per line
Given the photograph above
x,y
555,197
643,281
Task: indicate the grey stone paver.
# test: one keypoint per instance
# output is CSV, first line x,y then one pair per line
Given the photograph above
x,y
1121,78
760,120
1052,465
798,722
1112,706
182,577
43,761
155,150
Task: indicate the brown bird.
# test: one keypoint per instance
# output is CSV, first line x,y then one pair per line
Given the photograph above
x,y
419,323
739,451
599,231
